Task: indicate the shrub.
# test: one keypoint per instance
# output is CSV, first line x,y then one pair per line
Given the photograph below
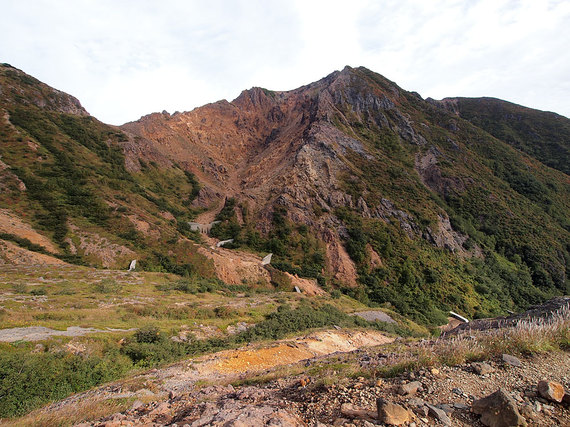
x,y
31,380
148,334
106,286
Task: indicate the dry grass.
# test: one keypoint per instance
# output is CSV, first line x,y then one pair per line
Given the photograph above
x,y
69,415
527,337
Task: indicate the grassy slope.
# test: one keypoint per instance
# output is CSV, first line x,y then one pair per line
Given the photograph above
x,y
74,171
512,206
161,305
540,134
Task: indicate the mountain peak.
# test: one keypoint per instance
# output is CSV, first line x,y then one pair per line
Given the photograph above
x,y
21,88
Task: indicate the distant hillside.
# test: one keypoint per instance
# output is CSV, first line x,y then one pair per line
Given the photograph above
x,y
540,134
351,181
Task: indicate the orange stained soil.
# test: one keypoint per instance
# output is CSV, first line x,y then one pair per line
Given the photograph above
x,y
247,360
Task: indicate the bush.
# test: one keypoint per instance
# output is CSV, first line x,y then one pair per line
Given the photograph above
x,y
106,286
32,380
148,334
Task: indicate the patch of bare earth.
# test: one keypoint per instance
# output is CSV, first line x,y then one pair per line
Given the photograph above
x,y
13,254
11,223
236,267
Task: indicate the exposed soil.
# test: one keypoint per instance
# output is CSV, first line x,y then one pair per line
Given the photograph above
x,y
15,255
306,401
284,353
236,267
11,223
231,365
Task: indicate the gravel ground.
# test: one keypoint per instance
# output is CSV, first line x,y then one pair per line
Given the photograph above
x,y
293,401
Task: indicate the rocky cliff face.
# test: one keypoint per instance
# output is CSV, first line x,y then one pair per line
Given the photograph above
x,y
350,180
286,148
355,142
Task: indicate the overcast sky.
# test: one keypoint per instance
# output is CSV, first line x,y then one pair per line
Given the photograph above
x,y
127,58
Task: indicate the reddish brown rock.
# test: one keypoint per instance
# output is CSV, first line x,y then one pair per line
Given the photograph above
x,y
392,413
410,388
551,390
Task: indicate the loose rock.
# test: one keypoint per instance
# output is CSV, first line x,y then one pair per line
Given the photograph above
x,y
392,413
551,390
498,410
511,360
439,414
410,388
482,368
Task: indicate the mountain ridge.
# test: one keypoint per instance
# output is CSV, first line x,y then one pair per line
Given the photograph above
x,y
350,180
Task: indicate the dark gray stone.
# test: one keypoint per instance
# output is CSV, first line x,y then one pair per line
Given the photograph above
x,y
511,360
498,410
439,414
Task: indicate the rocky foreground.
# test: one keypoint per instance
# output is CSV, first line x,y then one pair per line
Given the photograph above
x,y
503,391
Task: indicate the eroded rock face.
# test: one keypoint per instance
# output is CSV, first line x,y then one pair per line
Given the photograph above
x,y
281,148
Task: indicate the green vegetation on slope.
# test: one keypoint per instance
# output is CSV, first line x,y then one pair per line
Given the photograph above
x,y
73,168
540,134
514,210
28,381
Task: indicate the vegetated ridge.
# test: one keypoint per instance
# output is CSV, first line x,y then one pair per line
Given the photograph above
x,y
352,181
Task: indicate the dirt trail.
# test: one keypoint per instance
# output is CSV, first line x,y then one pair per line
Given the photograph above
x,y
210,215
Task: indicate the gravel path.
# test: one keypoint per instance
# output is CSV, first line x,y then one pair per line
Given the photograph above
x,y
38,333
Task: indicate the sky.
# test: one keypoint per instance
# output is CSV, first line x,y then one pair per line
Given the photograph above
x,y
127,58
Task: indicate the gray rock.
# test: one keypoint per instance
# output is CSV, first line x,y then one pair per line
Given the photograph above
x,y
482,368
415,402
446,407
460,406
511,360
410,388
439,414
498,410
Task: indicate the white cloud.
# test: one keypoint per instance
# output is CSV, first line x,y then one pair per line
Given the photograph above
x,y
123,59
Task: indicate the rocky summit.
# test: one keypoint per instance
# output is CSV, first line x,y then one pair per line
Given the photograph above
x,y
272,214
